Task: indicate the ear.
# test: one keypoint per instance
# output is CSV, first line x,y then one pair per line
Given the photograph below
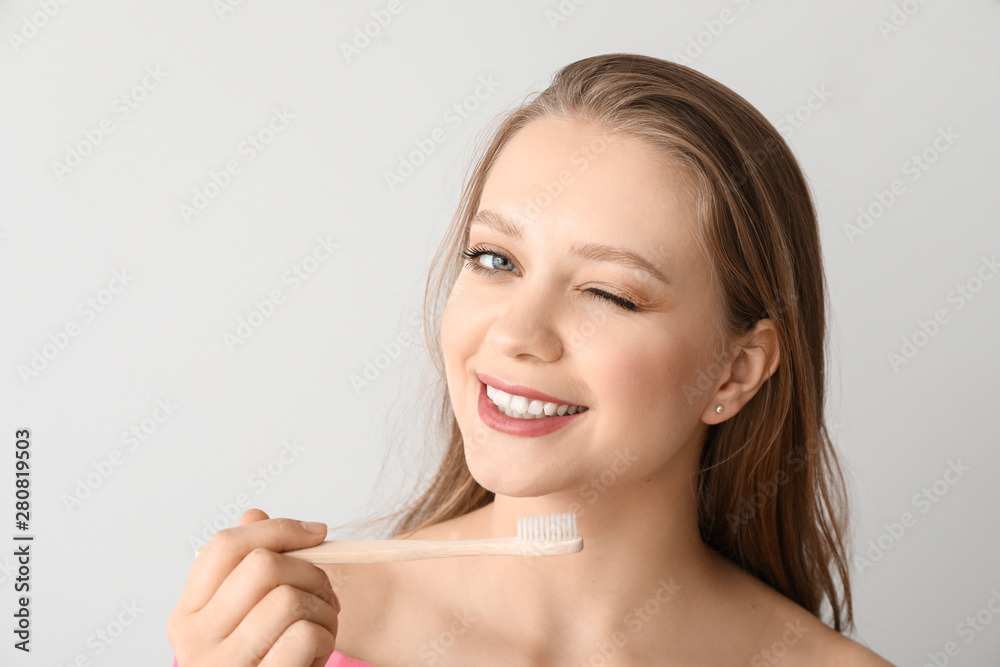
x,y
755,360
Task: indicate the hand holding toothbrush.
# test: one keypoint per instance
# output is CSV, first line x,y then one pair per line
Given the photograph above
x,y
246,603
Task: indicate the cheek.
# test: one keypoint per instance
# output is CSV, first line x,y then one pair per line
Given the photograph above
x,y
647,377
451,338
460,333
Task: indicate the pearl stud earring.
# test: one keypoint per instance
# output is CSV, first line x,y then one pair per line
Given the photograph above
x,y
718,408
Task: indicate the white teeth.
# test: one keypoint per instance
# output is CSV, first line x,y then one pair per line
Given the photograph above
x,y
521,407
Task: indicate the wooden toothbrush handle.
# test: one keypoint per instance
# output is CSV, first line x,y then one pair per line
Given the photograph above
x,y
381,551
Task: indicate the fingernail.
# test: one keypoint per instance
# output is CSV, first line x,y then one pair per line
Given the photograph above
x,y
314,526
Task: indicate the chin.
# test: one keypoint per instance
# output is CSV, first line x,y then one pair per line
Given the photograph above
x,y
496,477
507,477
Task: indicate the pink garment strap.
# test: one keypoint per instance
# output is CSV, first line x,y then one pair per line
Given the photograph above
x,y
338,659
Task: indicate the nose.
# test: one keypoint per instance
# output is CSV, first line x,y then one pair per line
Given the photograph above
x,y
526,325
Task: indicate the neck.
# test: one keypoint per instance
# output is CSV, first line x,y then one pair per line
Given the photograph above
x,y
643,560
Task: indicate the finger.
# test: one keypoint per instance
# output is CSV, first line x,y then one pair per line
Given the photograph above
x,y
301,645
228,547
253,514
260,572
283,607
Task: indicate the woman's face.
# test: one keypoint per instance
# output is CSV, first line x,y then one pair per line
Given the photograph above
x,y
562,210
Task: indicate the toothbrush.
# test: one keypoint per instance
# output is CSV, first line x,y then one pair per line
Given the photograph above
x,y
537,535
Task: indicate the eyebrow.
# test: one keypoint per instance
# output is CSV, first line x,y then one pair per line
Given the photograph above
x,y
596,251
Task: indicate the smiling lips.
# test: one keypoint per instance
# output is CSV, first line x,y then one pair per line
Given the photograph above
x,y
520,410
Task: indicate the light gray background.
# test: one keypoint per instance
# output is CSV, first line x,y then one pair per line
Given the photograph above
x,y
162,336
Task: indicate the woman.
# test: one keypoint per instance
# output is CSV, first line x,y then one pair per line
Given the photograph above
x,y
637,244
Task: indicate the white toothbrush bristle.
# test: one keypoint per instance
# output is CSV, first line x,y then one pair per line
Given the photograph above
x,y
547,527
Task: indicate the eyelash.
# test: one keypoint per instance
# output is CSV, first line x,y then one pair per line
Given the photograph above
x,y
473,253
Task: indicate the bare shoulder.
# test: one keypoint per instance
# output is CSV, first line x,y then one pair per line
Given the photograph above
x,y
359,588
788,635
797,637
377,621
828,648
845,651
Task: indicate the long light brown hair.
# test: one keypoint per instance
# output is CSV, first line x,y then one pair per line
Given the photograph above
x,y
771,495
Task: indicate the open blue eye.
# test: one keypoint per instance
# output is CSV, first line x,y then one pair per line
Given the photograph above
x,y
473,255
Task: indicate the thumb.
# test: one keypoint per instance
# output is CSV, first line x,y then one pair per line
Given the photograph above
x,y
253,514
